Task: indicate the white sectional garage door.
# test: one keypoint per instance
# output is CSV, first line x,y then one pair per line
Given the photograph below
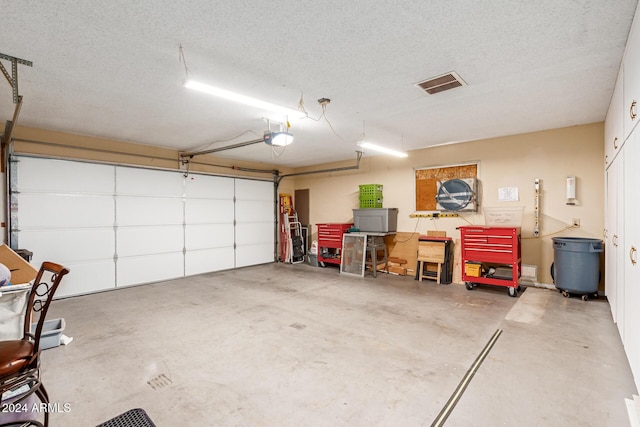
x,y
254,225
120,226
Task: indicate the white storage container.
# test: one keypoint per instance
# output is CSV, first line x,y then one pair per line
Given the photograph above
x,y
507,216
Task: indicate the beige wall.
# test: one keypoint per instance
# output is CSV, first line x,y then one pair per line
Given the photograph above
x,y
513,161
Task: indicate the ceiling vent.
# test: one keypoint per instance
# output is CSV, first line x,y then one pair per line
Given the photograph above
x,y
441,83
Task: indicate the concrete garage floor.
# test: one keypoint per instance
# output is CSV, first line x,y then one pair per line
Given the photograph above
x,y
295,345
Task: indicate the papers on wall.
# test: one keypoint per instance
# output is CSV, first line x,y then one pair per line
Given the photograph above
x,y
508,194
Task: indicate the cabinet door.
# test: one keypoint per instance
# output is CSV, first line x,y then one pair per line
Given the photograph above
x,y
610,253
613,125
630,253
631,71
614,240
620,239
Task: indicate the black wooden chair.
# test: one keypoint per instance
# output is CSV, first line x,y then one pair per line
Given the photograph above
x,y
20,359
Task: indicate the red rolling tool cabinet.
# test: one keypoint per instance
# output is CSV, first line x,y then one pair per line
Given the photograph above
x,y
330,242
491,256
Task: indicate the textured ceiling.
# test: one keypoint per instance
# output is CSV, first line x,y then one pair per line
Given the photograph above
x,y
112,69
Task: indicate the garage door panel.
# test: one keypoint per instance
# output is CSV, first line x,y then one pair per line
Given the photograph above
x,y
254,254
149,211
68,246
149,240
147,182
87,277
57,211
254,233
209,211
247,189
149,268
209,187
254,211
209,236
61,176
204,261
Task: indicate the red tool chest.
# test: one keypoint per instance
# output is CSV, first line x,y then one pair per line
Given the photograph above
x,y
330,242
491,256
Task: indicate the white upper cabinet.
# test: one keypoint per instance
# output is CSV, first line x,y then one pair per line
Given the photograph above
x,y
631,106
613,125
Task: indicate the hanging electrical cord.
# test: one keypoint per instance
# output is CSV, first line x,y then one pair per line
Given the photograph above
x,y
304,110
331,126
324,102
183,60
569,227
209,144
465,219
415,231
275,153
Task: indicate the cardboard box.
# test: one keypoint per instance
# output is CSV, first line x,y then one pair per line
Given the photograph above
x,y
21,270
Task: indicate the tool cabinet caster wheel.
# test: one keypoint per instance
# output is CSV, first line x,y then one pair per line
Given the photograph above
x,y
565,294
585,297
513,292
468,285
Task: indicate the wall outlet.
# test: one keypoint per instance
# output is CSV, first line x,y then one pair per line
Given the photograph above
x,y
576,222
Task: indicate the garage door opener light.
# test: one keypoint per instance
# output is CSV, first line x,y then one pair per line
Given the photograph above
x,y
278,139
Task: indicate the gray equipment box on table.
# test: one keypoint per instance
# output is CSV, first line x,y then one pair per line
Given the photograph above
x,y
381,220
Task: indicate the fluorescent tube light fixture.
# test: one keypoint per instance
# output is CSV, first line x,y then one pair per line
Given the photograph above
x,y
278,139
380,149
243,99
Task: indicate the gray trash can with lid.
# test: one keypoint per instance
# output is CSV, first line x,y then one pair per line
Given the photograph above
x,y
577,264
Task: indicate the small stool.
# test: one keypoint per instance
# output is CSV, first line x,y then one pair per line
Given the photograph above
x,y
375,244
422,275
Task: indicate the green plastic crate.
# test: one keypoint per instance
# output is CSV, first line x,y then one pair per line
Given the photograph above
x,y
371,203
376,195
370,191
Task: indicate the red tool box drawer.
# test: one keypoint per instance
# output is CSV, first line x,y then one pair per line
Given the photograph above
x,y
331,234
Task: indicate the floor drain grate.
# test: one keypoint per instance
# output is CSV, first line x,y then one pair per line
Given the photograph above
x,y
161,381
